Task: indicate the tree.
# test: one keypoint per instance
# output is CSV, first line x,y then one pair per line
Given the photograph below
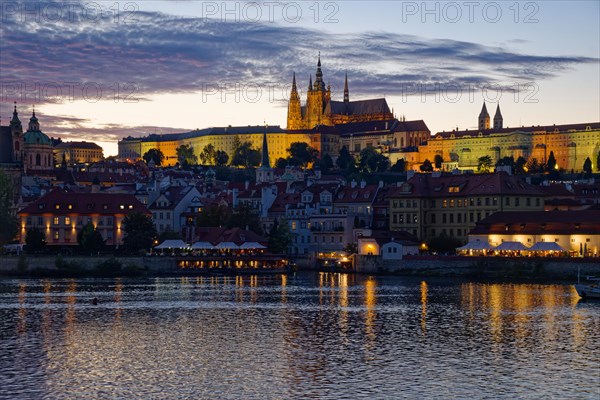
x,y
35,239
598,162
214,215
520,165
372,161
551,165
506,161
139,232
221,158
245,217
302,154
443,244
281,163
533,166
345,161
279,237
246,156
208,156
8,222
426,166
89,238
169,235
400,166
325,163
587,166
484,164
155,155
185,155
437,161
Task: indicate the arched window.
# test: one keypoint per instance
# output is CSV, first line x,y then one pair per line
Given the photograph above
x,y
38,159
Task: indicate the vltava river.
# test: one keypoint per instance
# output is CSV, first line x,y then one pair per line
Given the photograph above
x,y
304,336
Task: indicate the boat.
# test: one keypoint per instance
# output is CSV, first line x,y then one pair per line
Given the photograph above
x,y
590,290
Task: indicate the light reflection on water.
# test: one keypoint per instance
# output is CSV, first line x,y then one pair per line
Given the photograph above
x,y
301,336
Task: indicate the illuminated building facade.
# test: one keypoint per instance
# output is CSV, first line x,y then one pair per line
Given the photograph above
x,y
571,144
78,152
60,215
429,205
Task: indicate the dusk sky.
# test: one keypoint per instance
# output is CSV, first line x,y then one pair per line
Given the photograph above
x,y
173,66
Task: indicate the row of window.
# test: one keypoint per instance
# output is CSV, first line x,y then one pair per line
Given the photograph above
x,y
66,221
472,202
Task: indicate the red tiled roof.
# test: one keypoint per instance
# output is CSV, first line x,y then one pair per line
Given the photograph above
x,y
57,202
540,222
348,194
428,185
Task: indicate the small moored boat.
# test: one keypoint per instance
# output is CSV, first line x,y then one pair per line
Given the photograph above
x,y
590,290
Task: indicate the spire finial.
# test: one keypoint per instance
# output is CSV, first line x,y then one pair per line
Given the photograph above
x,y
34,110
346,92
15,106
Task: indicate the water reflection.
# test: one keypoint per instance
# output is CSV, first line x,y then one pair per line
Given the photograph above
x,y
299,336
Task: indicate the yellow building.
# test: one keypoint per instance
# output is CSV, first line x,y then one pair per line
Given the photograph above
x,y
78,152
428,205
222,138
571,144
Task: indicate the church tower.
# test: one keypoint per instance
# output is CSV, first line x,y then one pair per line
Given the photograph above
x,y
265,173
16,130
315,100
294,118
346,92
498,122
484,119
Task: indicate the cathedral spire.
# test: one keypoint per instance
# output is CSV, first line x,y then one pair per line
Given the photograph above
x,y
34,125
15,119
310,83
498,120
484,118
319,84
265,151
346,92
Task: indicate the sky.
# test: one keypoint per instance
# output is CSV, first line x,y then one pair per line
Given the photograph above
x,y
103,70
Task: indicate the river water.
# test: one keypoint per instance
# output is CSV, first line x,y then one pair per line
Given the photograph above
x,y
302,336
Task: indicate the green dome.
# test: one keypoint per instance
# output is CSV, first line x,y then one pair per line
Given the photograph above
x,y
36,137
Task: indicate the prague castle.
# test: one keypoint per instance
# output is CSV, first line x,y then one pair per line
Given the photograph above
x,y
328,125
321,110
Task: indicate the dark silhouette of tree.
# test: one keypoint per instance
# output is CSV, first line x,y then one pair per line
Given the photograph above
x,y
507,161
246,156
301,154
221,158
279,237
8,222
443,244
534,166
551,164
245,217
281,163
400,166
325,163
140,232
185,155
426,166
484,164
213,215
35,239
372,161
90,239
154,154
598,162
345,161
437,161
208,156
520,165
587,166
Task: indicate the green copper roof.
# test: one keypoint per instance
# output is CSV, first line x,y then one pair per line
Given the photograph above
x,y
36,137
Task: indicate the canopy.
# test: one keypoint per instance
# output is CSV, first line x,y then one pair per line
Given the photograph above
x,y
511,246
252,245
476,246
546,246
226,245
202,246
172,244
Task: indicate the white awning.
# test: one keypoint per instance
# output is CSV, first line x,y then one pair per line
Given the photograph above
x,y
476,246
226,245
252,245
511,246
202,246
546,246
172,244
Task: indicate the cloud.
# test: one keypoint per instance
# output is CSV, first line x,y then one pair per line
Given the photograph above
x,y
82,56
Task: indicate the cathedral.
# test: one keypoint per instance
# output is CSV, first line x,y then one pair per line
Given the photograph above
x,y
319,109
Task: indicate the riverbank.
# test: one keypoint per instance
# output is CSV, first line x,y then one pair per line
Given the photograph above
x,y
441,266
481,267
